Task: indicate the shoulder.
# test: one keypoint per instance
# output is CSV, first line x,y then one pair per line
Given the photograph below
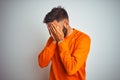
x,y
79,35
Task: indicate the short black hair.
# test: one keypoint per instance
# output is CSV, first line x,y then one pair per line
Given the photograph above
x,y
57,13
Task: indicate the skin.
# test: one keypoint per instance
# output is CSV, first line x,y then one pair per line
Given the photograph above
x,y
57,30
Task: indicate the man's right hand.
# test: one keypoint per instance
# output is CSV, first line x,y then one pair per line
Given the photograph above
x,y
51,34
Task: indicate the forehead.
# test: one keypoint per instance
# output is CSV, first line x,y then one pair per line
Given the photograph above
x,y
49,23
53,22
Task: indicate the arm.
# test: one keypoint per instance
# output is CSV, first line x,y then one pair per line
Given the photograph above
x,y
73,62
47,53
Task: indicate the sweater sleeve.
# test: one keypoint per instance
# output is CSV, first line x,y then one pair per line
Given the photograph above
x,y
47,53
73,62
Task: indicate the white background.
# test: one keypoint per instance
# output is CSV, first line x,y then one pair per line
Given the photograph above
x,y
23,35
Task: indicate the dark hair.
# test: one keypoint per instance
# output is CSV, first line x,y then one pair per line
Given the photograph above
x,y
56,13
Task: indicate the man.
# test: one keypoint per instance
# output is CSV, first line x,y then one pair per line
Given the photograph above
x,y
67,48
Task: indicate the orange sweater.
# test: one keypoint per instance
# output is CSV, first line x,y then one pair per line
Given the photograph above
x,y
68,57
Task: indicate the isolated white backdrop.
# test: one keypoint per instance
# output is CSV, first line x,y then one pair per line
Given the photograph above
x,y
23,36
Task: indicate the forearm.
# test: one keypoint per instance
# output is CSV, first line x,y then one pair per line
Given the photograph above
x,y
68,61
73,61
46,54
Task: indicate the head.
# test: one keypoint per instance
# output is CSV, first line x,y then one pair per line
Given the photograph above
x,y
59,16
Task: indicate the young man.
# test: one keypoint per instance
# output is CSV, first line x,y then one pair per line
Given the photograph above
x,y
67,48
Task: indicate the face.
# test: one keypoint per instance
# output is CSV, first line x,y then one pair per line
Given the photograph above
x,y
60,24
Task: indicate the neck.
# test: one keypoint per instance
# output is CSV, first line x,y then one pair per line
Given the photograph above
x,y
69,31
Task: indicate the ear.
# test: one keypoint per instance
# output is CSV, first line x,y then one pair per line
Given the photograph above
x,y
66,23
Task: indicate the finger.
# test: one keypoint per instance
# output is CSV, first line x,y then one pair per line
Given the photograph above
x,y
57,28
51,34
52,31
49,31
56,32
53,28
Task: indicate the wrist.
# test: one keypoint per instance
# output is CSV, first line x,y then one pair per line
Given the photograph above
x,y
54,41
60,41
